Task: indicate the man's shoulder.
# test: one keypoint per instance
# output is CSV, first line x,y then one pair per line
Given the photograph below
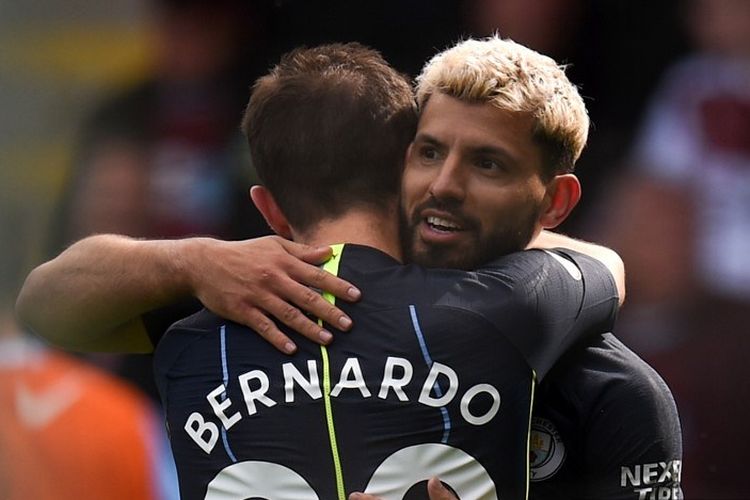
x,y
385,280
602,393
373,265
373,268
604,363
182,335
198,321
610,415
603,372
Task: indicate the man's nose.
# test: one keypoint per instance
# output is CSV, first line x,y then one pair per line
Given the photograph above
x,y
450,182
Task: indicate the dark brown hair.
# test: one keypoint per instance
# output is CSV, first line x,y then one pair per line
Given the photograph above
x,y
328,128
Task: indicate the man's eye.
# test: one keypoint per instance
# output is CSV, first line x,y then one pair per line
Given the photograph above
x,y
428,153
488,164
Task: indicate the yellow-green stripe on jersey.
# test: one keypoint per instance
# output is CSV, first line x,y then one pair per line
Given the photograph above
x,y
332,266
427,342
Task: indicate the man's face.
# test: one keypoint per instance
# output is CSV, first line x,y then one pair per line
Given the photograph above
x,y
472,187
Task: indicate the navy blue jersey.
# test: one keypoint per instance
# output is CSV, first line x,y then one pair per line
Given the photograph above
x,y
436,378
605,426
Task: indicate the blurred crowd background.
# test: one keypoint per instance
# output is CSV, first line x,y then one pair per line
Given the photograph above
x,y
123,117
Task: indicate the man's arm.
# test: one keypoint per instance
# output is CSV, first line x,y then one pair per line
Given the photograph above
x,y
91,297
548,240
650,440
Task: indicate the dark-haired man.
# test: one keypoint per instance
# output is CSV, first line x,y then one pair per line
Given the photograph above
x,y
463,180
399,400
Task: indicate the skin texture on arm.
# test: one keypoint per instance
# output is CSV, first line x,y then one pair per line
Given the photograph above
x,y
548,240
91,297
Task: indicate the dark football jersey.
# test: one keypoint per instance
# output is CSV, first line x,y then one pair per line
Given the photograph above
x,y
436,378
605,426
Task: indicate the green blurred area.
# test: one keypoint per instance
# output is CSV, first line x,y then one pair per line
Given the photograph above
x,y
56,61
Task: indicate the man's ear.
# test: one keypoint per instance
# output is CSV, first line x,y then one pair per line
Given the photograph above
x,y
270,210
563,194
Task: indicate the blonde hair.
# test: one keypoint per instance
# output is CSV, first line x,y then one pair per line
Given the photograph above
x,y
514,78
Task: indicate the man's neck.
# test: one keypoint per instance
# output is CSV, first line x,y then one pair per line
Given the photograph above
x,y
360,227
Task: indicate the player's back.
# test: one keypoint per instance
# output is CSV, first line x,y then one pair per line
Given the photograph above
x,y
436,378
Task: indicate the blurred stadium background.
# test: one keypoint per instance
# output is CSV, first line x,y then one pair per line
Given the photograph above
x,y
122,117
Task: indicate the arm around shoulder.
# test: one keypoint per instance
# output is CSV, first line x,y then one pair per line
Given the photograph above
x,y
91,296
548,240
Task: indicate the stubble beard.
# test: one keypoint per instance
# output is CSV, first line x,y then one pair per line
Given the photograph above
x,y
512,236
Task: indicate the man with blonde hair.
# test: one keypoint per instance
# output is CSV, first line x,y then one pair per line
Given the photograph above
x,y
495,115
512,115
499,132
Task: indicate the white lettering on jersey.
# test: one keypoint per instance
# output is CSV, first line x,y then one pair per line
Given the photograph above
x,y
408,466
654,481
259,394
255,479
219,407
196,427
311,384
393,478
466,400
437,369
391,382
398,374
351,378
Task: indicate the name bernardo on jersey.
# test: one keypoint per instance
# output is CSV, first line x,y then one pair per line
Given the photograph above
x,y
397,375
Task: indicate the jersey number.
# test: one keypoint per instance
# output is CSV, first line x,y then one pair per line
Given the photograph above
x,y
391,480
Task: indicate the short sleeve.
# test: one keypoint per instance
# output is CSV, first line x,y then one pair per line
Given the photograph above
x,y
557,298
159,320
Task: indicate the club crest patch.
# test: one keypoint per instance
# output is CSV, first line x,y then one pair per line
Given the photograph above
x,y
546,449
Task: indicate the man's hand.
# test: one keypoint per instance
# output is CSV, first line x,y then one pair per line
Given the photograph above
x,y
250,282
435,489
93,295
